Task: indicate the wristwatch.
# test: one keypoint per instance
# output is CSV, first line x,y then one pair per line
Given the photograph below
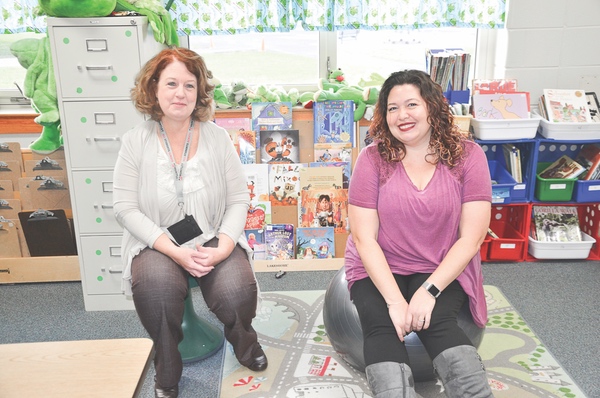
x,y
430,287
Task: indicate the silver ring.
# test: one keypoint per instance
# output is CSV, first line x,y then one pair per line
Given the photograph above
x,y
423,321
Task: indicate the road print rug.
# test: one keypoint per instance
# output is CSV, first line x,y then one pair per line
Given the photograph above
x,y
302,362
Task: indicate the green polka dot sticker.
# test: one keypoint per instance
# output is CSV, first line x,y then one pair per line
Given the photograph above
x,y
98,220
79,90
114,79
100,279
128,33
83,119
66,40
98,252
88,180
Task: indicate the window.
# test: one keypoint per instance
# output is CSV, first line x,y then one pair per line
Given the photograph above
x,y
298,58
292,59
12,71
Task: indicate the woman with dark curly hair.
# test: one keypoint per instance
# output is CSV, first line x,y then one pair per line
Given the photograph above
x,y
419,209
181,195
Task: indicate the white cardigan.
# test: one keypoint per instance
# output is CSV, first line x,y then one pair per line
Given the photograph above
x,y
220,207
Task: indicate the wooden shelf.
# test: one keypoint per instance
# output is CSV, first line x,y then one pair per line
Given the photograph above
x,y
39,269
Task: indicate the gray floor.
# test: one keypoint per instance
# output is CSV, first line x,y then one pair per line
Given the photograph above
x,y
559,301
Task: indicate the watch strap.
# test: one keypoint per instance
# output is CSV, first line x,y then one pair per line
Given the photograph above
x,y
432,289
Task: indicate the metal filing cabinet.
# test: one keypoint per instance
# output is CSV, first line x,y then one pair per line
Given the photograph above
x,y
95,63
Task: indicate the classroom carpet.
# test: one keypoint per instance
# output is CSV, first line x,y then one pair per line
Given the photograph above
x,y
302,362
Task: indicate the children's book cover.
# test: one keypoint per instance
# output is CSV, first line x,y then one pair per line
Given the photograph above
x,y
345,166
566,106
256,240
271,116
247,146
242,135
334,121
564,167
259,214
324,208
279,146
314,243
257,179
500,106
284,183
589,157
333,152
556,224
279,241
320,177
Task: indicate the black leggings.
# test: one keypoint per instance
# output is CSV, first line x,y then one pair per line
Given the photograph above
x,y
381,342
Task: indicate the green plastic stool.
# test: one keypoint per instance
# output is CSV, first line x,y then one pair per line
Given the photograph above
x,y
201,338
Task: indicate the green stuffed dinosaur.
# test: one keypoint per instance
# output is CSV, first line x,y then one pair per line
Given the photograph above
x,y
40,88
163,27
76,9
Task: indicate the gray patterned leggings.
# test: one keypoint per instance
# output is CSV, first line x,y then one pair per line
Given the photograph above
x,y
159,289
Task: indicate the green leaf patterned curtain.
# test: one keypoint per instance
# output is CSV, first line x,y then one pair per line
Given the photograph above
x,y
210,17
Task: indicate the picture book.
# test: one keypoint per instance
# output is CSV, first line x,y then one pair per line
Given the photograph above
x,y
284,184
364,137
594,106
556,224
589,157
494,85
345,166
564,167
256,240
259,214
512,157
334,121
247,146
315,243
242,135
332,152
257,178
500,106
566,106
271,116
324,208
279,146
320,177
279,241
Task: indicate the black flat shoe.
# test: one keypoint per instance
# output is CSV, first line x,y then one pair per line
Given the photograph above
x,y
259,364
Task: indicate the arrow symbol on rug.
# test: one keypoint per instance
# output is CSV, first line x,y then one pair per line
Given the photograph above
x,y
254,387
243,381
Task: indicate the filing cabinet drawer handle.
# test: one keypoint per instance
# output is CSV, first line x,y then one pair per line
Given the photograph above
x,y
103,206
107,67
104,118
115,271
97,139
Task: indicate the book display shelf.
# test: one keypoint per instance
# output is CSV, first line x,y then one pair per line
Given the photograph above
x,y
512,207
514,203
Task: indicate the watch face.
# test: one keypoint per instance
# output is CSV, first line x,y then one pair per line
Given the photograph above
x,y
434,291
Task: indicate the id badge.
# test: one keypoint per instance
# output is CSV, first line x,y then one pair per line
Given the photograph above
x,y
185,230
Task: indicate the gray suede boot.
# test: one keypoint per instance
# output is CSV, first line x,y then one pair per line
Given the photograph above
x,y
391,380
462,373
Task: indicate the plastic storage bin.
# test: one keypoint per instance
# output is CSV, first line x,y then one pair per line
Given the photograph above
x,y
553,189
562,250
569,131
511,224
586,191
505,129
521,192
505,183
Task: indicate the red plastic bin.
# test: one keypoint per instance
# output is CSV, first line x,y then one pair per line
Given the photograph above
x,y
511,224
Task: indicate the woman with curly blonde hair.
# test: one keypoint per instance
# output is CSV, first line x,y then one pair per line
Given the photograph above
x,y
419,209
